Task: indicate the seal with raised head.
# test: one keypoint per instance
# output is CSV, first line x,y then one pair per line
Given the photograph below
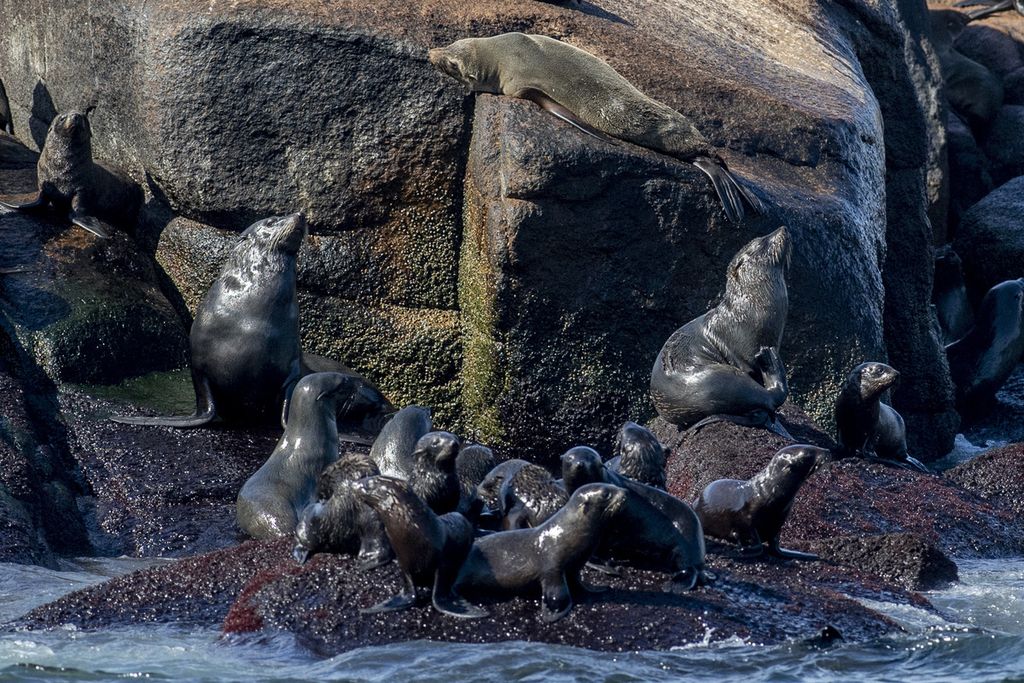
x,y
272,499
640,456
585,91
949,294
393,447
982,360
725,363
6,120
974,92
529,496
641,535
433,477
338,522
867,427
429,548
246,351
549,556
97,196
751,513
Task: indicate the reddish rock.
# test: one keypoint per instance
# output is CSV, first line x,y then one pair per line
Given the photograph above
x,y
902,559
997,476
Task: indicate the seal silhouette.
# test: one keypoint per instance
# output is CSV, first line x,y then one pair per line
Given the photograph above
x,y
272,499
584,91
393,447
982,360
974,92
549,556
429,548
725,363
95,195
663,535
867,427
949,294
641,456
751,513
246,351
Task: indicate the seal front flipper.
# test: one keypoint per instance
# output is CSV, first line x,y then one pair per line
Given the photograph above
x,y
556,598
36,203
91,223
774,549
205,411
544,102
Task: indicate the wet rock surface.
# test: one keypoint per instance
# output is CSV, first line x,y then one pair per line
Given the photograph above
x,y
997,476
903,559
990,240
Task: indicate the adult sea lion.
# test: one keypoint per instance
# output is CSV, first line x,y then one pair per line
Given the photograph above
x,y
982,360
974,92
529,496
6,120
246,350
97,196
393,447
949,294
641,456
583,90
429,548
751,513
867,427
338,522
272,499
725,363
641,535
549,556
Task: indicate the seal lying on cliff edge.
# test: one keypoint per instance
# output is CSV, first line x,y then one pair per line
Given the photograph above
x,y
585,91
725,364
96,195
246,351
751,513
867,427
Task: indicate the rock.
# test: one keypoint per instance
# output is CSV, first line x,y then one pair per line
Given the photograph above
x,y
240,110
1005,144
905,560
997,476
968,171
1013,87
990,240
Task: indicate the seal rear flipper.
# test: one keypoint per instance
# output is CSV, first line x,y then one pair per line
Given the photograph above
x,y
402,601
542,100
447,601
604,567
556,598
725,185
92,224
36,203
579,587
918,465
683,582
205,413
774,549
992,8
771,423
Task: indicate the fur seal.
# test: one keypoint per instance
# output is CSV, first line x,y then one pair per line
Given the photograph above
x,y
991,7
550,555
529,496
96,195
982,359
429,548
473,464
751,513
642,535
641,456
337,522
974,92
433,477
489,490
6,120
583,90
867,427
393,447
272,499
246,351
949,294
725,363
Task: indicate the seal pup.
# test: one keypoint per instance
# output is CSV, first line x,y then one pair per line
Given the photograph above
x,y
725,363
982,360
640,534
586,92
272,499
974,92
529,496
489,490
96,196
393,447
245,344
550,555
949,294
473,463
429,548
751,513
433,477
641,456
867,427
338,522
6,120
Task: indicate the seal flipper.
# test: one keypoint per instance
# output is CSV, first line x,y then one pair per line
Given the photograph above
x,y
556,598
447,601
34,204
542,100
762,421
91,223
730,191
774,549
205,411
402,601
991,9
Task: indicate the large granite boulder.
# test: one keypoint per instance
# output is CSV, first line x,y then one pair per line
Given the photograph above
x,y
480,256
990,241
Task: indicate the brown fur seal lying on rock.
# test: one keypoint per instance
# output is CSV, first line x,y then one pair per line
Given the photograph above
x,y
97,196
751,513
585,91
867,427
725,364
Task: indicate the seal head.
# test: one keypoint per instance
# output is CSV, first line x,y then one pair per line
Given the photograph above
x,y
639,455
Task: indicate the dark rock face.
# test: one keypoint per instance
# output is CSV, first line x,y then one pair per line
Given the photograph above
x,y
997,476
903,559
990,240
1005,144
968,170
